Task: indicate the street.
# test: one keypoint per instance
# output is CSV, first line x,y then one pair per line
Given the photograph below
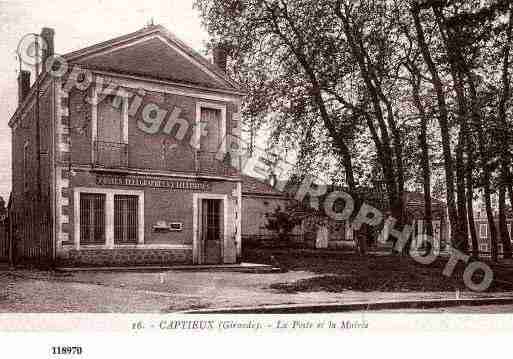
x,y
26,291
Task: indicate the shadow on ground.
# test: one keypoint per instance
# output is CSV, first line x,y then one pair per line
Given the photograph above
x,y
342,271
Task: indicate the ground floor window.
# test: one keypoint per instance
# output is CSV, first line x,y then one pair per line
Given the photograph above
x,y
92,218
125,219
108,217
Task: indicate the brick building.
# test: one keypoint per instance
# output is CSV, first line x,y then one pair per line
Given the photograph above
x,y
128,157
483,230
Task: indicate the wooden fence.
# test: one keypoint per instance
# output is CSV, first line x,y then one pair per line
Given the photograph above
x,y
30,230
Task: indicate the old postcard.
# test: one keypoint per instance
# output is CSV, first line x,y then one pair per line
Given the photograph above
x,y
241,167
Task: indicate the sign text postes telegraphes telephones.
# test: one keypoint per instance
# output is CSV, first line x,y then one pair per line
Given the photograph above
x,y
142,181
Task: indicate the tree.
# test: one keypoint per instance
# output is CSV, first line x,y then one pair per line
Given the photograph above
x,y
372,55
504,139
286,60
443,118
467,32
307,75
352,88
282,222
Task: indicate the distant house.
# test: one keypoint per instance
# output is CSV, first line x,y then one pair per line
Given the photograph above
x,y
415,216
317,230
258,199
483,230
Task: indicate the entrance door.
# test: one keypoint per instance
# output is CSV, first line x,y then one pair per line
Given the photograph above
x,y
211,229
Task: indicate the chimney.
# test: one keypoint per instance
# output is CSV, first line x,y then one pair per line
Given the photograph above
x,y
23,85
220,56
48,46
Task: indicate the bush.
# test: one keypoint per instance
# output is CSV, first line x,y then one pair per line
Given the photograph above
x,y
282,222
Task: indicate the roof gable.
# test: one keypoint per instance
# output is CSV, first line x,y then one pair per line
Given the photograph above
x,y
157,53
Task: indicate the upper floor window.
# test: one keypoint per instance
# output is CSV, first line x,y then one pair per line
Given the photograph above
x,y
211,122
110,120
110,130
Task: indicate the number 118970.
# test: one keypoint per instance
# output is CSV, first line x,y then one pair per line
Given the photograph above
x,y
67,350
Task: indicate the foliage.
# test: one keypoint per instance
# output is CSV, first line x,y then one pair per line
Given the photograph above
x,y
282,222
413,92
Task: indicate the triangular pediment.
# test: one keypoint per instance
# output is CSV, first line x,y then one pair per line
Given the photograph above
x,y
154,53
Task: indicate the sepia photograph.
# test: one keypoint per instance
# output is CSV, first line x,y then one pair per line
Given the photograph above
x,y
233,158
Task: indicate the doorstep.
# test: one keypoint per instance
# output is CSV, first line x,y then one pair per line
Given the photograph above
x,y
241,268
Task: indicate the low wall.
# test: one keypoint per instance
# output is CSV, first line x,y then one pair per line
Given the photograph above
x,y
126,257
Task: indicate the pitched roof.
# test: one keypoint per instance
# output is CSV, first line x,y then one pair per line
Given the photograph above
x,y
154,52
254,186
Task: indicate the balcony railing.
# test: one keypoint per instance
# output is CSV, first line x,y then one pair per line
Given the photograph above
x,y
215,164
115,155
110,154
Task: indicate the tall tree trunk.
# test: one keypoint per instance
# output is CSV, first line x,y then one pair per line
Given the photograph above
x,y
315,92
424,157
456,56
392,175
444,126
503,227
470,199
452,49
461,196
510,192
484,165
504,161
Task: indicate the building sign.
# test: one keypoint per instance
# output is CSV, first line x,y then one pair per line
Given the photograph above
x,y
140,181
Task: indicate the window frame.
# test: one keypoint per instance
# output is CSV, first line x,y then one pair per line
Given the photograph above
x,y
485,226
87,243
483,247
198,130
117,241
109,220
94,115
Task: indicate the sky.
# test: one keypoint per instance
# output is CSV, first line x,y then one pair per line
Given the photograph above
x,y
78,24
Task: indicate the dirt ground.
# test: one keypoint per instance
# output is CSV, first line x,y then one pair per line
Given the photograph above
x,y
312,278
341,271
